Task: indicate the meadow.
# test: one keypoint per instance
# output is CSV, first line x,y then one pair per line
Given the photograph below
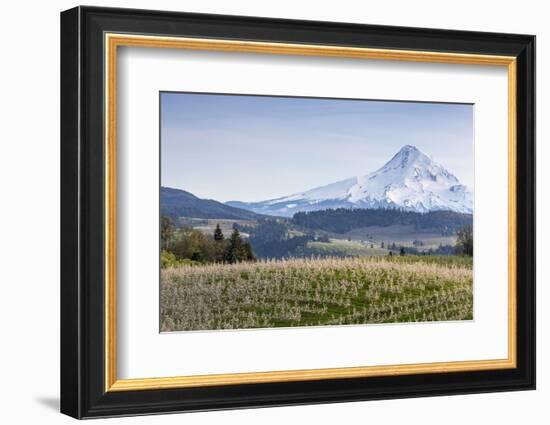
x,y
316,292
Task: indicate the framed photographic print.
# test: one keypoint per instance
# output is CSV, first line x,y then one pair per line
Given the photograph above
x,y
261,212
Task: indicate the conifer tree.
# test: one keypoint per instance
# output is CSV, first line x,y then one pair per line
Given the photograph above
x,y
218,234
234,250
248,254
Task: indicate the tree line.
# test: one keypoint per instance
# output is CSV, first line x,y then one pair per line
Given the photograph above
x,y
187,245
268,239
342,220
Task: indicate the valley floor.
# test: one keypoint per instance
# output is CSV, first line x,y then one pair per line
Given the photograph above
x,y
316,291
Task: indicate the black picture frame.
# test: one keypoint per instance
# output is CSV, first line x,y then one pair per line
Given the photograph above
x,y
83,392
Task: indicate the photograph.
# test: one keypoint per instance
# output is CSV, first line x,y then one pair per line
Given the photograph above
x,y
294,211
280,209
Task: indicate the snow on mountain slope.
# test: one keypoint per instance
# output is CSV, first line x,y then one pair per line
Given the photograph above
x,y
410,181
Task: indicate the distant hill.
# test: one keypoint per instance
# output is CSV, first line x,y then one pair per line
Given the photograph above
x,y
177,203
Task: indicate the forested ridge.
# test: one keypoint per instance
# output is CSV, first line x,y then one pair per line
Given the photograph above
x,y
343,220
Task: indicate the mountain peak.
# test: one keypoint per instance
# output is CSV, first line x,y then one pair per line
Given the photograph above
x,y
410,180
410,152
409,148
406,157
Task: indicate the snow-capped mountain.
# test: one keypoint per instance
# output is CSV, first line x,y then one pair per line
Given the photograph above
x,y
411,181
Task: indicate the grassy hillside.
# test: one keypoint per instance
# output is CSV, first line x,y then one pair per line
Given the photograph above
x,y
309,292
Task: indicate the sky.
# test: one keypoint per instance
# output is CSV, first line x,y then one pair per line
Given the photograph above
x,y
254,148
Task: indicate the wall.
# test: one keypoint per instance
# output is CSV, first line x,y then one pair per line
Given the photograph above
x,y
29,228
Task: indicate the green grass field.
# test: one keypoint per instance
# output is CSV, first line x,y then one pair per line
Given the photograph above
x,y
315,292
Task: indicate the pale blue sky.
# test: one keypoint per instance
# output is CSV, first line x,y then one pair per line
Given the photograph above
x,y
253,148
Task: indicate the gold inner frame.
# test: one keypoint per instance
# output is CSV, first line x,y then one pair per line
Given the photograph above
x,y
113,41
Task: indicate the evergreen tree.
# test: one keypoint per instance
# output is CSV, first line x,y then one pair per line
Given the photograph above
x,y
218,234
234,251
248,254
